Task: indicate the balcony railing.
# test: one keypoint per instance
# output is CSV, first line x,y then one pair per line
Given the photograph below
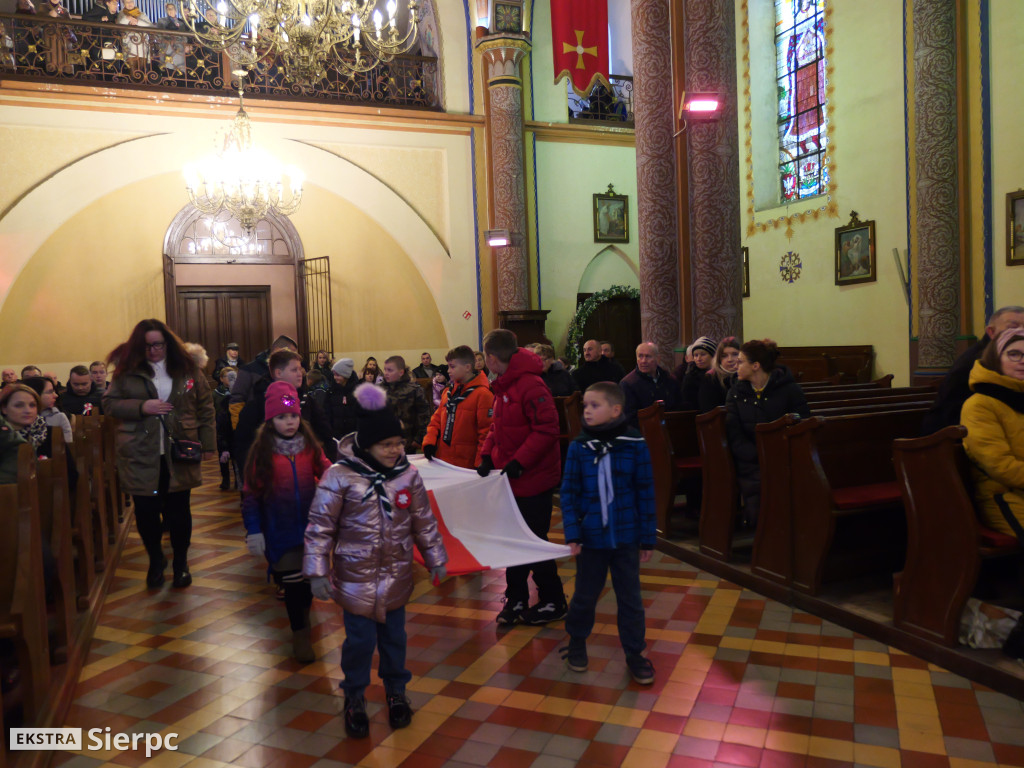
x,y
51,50
614,106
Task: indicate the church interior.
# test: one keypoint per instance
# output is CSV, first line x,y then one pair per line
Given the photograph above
x,y
860,206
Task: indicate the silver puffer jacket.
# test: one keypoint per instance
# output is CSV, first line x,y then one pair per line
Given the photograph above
x,y
372,552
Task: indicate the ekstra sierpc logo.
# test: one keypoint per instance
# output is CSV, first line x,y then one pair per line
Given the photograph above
x,y
96,739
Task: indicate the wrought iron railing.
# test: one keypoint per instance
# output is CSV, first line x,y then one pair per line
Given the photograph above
x,y
602,105
46,49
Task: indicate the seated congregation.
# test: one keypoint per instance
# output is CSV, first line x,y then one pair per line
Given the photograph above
x,y
798,477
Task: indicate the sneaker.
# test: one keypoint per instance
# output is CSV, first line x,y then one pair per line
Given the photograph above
x,y
357,724
511,614
542,613
641,669
399,710
575,655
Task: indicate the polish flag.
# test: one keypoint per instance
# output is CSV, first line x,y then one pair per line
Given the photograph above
x,y
479,520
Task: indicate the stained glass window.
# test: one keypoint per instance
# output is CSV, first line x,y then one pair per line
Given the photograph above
x,y
800,76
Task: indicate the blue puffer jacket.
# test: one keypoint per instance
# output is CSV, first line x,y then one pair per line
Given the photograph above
x,y
281,516
623,465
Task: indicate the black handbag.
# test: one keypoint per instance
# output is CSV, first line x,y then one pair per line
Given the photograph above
x,y
184,451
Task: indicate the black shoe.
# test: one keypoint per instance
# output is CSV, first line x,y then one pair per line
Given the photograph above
x,y
511,614
225,485
182,579
641,669
155,574
399,710
357,724
575,655
542,613
1014,645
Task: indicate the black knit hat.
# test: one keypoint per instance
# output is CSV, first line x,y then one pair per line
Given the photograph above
x,y
376,422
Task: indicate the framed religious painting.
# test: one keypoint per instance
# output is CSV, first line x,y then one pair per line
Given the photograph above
x,y
855,252
1015,228
611,217
745,255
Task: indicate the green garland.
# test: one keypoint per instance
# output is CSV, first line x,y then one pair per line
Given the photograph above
x,y
574,343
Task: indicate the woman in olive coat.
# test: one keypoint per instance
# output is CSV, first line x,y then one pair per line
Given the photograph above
x,y
157,394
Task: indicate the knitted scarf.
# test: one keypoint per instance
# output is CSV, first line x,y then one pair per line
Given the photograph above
x,y
35,433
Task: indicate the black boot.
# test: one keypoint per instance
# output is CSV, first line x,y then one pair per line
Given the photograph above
x,y
155,574
357,724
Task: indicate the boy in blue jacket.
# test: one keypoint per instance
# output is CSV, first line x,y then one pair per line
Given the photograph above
x,y
607,502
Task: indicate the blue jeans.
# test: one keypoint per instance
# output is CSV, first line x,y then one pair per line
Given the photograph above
x,y
592,566
362,634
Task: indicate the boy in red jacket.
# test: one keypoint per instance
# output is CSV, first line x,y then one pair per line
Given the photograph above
x,y
461,422
523,443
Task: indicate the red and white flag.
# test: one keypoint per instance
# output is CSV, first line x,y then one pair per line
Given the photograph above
x,y
479,520
579,37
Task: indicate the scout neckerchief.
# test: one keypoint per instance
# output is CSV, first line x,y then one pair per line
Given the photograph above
x,y
377,478
452,404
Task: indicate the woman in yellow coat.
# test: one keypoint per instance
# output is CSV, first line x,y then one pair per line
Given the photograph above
x,y
994,417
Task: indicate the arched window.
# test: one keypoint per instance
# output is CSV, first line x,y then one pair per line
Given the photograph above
x,y
800,76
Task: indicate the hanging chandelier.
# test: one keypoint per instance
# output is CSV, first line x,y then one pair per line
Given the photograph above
x,y
307,37
241,181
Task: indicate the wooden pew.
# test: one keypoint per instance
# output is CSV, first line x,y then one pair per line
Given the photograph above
x,y
55,525
652,427
885,382
845,407
111,480
772,557
720,500
852,363
81,520
946,542
92,476
22,594
841,470
869,395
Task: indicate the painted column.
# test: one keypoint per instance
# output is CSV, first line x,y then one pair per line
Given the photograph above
x,y
935,146
501,56
709,50
657,197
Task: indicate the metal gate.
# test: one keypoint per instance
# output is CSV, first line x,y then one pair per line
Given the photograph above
x,y
315,279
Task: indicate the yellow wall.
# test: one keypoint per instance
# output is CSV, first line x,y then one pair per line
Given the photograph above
x,y
868,171
1007,171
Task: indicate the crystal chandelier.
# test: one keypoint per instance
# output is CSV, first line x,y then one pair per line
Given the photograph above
x,y
240,180
305,36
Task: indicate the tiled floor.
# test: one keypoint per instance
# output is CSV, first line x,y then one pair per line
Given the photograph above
x,y
742,681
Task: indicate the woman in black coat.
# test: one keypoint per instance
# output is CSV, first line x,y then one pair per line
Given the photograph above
x,y
763,392
702,351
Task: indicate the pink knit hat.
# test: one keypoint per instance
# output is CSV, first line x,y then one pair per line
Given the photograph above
x,y
282,398
1003,339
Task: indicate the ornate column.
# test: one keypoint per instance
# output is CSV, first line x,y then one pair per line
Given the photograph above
x,y
709,50
501,57
935,147
657,197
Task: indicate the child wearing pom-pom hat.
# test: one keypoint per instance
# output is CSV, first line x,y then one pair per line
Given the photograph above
x,y
283,468
370,508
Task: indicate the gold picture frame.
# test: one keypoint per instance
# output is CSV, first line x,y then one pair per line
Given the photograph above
x,y
1015,228
611,217
855,252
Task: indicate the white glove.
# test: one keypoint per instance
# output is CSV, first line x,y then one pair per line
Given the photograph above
x,y
437,575
256,544
321,587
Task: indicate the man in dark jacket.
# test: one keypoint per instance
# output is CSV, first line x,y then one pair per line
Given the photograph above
x,y
427,370
284,365
81,396
523,444
596,367
954,390
648,383
249,374
103,11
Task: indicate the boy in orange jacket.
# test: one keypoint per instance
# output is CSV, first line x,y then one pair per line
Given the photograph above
x,y
462,420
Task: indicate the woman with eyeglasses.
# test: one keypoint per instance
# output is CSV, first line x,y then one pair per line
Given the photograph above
x,y
994,417
159,397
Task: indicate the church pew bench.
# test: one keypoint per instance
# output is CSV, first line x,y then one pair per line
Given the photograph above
x,y
720,499
884,382
840,407
111,480
852,362
825,396
55,526
93,477
841,471
22,592
772,557
652,427
946,541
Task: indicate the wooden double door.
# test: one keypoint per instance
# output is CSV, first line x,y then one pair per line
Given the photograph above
x,y
216,315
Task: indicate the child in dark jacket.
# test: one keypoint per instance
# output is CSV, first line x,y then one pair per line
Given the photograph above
x,y
221,398
284,466
607,502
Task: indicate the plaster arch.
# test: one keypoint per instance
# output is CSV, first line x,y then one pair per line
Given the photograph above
x,y
609,266
28,223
